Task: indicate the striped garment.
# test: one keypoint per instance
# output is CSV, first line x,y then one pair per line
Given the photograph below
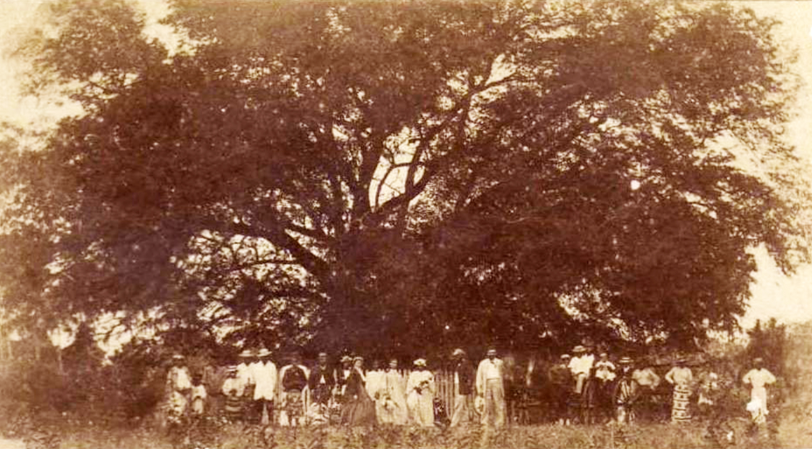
x,y
625,394
680,411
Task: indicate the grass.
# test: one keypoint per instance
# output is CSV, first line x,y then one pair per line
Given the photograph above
x,y
794,434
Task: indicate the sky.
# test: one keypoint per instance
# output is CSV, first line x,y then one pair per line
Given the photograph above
x,y
787,298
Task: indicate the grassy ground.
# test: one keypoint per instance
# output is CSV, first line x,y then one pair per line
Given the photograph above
x,y
793,435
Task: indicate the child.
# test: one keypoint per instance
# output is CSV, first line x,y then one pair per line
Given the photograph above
x,y
198,395
604,369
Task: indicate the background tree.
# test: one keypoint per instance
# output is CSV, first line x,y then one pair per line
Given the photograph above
x,y
404,175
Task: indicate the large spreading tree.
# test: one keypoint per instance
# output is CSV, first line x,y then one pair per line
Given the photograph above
x,y
403,175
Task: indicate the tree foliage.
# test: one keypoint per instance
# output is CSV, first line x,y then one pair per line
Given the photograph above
x,y
392,175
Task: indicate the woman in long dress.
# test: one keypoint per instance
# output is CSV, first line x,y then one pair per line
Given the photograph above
x,y
178,386
391,403
360,408
420,395
681,378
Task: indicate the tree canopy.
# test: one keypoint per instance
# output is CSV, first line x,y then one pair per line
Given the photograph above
x,y
403,175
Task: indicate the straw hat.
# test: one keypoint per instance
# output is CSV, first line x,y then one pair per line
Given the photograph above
x,y
263,352
458,353
565,356
578,349
420,362
346,358
625,361
246,353
178,357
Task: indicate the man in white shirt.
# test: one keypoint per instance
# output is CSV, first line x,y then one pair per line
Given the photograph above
x,y
581,366
244,376
758,377
490,385
263,373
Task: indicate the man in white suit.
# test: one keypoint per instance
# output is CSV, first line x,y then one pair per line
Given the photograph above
x,y
263,371
490,384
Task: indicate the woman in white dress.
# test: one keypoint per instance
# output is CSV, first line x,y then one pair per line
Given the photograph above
x,y
420,395
391,403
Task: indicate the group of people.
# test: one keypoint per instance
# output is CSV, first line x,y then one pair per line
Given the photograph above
x,y
619,391
256,391
349,394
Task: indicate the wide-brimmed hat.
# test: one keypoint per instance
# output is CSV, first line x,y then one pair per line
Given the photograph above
x,y
178,357
458,353
346,358
420,362
247,353
565,356
263,352
578,348
625,360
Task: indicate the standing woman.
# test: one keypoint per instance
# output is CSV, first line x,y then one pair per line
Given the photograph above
x,y
178,386
360,408
420,395
391,406
681,378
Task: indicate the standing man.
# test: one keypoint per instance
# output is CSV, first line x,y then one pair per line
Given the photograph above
x,y
490,384
581,367
758,377
293,381
263,372
648,381
463,388
626,392
322,380
245,379
561,390
244,374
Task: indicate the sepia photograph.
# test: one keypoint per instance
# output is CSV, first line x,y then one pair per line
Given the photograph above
x,y
406,224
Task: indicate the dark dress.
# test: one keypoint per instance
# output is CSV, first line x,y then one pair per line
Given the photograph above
x,y
360,408
321,382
